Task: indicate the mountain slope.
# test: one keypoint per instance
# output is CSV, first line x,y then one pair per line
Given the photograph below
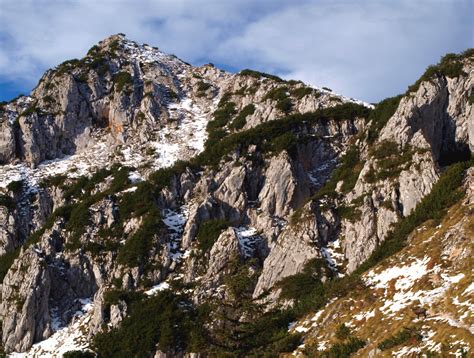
x,y
222,205
417,301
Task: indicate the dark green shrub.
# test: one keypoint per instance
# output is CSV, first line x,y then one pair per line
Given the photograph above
x,y
468,53
113,48
222,116
16,186
380,116
119,182
162,177
172,94
220,144
385,149
403,336
285,141
7,201
67,66
78,221
301,92
84,185
100,65
343,332
277,94
280,94
6,261
136,249
203,86
305,284
347,110
115,296
370,177
93,50
349,213
75,189
138,202
164,319
122,81
30,110
348,171
471,99
48,99
257,74
240,120
226,97
344,349
285,105
391,161
82,77
450,65
209,232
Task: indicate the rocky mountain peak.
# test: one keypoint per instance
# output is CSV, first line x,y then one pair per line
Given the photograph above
x,y
135,185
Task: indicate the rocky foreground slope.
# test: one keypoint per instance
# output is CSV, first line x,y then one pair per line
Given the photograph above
x,y
208,210
419,302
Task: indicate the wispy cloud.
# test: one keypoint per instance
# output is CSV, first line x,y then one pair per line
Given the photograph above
x,y
366,49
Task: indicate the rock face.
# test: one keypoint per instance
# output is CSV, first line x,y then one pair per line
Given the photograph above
x,y
288,255
41,291
285,187
25,313
89,217
436,116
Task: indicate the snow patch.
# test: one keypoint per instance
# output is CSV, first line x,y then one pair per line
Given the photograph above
x,y
249,240
158,288
334,256
64,339
175,221
405,275
134,177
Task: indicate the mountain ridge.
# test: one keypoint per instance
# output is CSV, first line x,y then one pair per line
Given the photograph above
x,y
193,186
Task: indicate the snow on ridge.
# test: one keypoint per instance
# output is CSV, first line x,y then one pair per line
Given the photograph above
x,y
74,166
186,139
153,55
181,142
343,98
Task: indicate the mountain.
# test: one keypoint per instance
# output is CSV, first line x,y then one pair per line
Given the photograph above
x,y
152,208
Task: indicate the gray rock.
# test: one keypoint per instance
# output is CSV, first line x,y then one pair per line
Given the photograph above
x,y
288,255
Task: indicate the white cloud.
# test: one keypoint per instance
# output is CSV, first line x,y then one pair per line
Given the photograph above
x,y
369,51
366,49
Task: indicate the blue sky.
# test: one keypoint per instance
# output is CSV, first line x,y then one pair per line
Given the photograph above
x,y
366,49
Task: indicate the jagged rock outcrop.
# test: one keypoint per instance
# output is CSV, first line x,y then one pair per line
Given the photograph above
x,y
288,255
25,303
416,182
437,116
285,187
